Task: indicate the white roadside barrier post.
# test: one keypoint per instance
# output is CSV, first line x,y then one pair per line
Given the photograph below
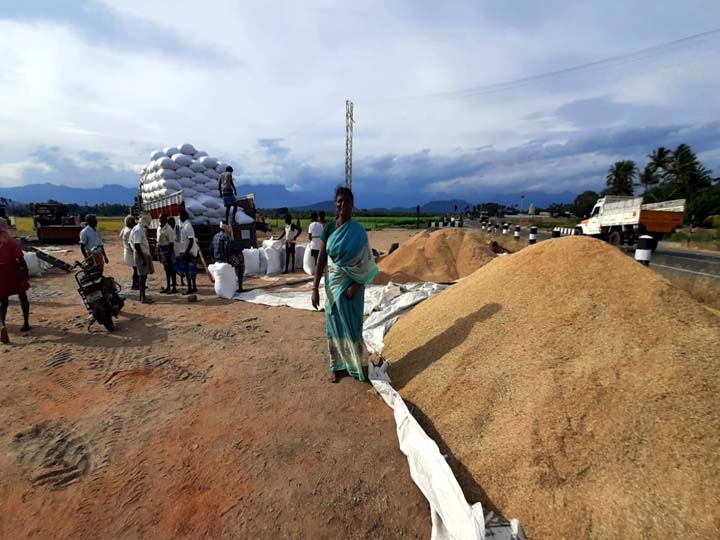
x,y
532,237
643,251
505,228
516,235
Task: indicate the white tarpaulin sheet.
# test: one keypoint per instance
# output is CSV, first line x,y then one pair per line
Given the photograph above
x,y
452,517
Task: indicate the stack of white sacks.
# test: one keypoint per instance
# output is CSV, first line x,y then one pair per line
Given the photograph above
x,y
270,258
196,174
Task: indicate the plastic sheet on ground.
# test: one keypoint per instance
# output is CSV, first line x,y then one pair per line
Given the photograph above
x,y
451,515
395,299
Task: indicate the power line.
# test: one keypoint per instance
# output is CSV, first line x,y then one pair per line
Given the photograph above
x,y
627,58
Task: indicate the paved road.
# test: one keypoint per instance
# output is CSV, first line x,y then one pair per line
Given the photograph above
x,y
690,262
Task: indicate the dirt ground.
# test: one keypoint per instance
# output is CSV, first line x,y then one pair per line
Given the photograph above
x,y
204,420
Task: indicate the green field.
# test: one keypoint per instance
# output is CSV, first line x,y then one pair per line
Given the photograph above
x,y
106,224
114,224
369,222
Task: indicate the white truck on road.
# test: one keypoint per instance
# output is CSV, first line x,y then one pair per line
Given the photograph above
x,y
620,220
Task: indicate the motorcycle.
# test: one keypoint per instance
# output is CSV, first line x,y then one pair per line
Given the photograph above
x,y
99,293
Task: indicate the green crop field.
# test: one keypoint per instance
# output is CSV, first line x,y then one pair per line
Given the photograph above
x,y
106,224
369,222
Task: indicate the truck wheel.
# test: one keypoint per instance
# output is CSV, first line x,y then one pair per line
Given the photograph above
x,y
578,231
615,239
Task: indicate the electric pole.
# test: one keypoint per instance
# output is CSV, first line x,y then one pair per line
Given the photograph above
x,y
348,142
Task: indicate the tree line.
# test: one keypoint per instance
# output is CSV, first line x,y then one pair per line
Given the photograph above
x,y
105,209
668,174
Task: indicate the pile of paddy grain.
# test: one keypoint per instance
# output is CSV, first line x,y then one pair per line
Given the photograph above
x,y
441,256
578,390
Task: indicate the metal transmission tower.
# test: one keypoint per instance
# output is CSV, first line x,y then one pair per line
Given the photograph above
x,y
348,142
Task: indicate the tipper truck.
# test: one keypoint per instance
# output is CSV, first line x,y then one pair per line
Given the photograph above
x,y
621,220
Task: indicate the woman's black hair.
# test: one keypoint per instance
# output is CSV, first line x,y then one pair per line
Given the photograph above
x,y
345,192
314,216
288,218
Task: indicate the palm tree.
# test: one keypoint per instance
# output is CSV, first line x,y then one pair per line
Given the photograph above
x,y
660,160
648,177
686,174
620,178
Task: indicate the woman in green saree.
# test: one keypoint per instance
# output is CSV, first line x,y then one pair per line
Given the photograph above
x,y
346,262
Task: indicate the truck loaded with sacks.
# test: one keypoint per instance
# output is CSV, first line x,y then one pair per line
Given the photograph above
x,y
622,220
183,177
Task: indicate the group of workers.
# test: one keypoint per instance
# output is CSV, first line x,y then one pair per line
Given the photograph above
x,y
339,247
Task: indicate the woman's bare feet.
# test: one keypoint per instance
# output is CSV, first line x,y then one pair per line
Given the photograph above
x,y
4,338
25,328
333,377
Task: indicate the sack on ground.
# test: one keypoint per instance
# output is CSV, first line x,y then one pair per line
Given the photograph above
x,y
308,262
225,279
251,256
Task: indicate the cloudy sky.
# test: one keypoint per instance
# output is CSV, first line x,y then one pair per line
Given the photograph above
x,y
452,99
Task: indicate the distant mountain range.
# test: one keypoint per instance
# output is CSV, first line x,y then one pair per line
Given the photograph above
x,y
278,196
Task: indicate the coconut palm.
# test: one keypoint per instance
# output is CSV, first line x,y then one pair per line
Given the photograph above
x,y
685,173
648,177
620,178
660,160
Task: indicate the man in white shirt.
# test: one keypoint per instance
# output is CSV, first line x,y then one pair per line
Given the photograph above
x,y
315,232
141,250
90,239
165,244
187,262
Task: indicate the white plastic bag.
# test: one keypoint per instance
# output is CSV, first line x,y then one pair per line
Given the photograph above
x,y
165,163
308,262
33,264
198,167
252,261
187,149
299,255
182,160
274,260
209,162
241,218
185,171
225,279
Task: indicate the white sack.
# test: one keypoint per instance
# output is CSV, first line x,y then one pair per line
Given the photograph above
x,y
186,182
33,264
197,167
185,171
165,173
209,202
241,218
157,154
194,206
200,178
275,244
274,260
170,184
189,193
165,163
308,262
182,160
226,281
201,189
221,167
187,149
211,174
209,162
200,220
199,154
252,261
299,254
170,151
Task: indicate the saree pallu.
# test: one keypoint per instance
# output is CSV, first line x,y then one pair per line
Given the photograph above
x,y
349,261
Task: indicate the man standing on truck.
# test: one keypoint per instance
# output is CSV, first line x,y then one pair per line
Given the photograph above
x,y
226,185
90,239
187,250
